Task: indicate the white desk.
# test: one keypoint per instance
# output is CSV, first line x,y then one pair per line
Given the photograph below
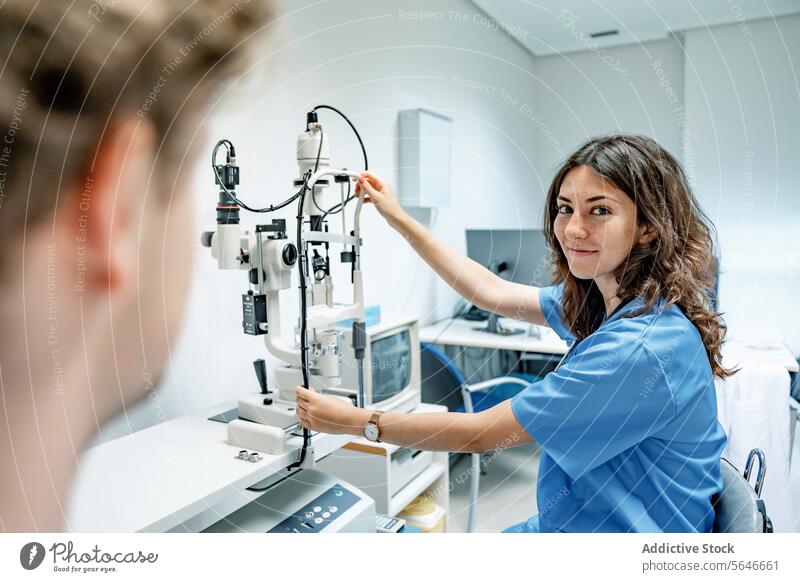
x,y
460,332
180,471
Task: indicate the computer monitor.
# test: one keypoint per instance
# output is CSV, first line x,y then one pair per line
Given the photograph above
x,y
521,256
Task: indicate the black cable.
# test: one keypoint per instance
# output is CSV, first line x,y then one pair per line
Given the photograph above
x,y
231,150
319,148
231,195
314,200
335,209
339,207
304,259
353,127
316,167
303,298
303,316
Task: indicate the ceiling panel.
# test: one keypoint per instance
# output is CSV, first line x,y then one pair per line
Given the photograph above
x,y
547,27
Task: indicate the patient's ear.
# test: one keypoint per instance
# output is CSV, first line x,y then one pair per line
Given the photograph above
x,y
647,233
107,206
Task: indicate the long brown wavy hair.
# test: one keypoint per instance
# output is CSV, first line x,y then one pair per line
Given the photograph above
x,y
678,265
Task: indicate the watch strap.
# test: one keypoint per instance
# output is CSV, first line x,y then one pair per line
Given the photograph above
x,y
374,420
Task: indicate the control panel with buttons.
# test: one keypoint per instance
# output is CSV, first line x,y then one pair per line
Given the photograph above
x,y
317,514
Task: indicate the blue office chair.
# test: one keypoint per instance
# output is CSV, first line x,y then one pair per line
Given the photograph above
x,y
443,383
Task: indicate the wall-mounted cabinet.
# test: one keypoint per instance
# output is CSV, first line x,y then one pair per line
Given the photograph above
x,y
425,158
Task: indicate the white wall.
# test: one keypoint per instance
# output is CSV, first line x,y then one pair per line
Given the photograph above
x,y
630,89
369,60
743,112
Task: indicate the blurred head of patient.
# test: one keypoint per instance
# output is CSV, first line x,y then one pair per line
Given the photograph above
x,y
101,113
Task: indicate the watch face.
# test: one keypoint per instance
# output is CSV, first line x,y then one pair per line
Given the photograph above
x,y
371,432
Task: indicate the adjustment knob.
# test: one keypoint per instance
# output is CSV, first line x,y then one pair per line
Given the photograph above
x,y
289,255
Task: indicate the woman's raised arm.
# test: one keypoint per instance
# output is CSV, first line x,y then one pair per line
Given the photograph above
x,y
474,282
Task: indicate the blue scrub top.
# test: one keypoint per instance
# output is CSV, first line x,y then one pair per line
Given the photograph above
x,y
627,426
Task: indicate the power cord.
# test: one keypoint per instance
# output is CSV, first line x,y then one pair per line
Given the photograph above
x,y
336,208
302,261
353,127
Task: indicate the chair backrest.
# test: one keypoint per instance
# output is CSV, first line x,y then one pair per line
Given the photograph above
x,y
738,508
441,378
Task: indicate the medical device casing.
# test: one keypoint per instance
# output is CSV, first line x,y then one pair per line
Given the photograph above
x,y
307,501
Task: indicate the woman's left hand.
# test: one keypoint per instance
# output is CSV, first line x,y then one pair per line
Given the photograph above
x,y
330,414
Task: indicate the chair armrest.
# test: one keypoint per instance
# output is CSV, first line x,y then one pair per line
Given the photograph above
x,y
494,382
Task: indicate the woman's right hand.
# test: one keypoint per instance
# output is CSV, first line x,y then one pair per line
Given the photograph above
x,y
382,195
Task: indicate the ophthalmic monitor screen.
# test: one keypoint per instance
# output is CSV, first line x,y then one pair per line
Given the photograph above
x,y
391,365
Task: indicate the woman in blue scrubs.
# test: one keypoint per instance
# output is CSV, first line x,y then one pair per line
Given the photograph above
x,y
627,423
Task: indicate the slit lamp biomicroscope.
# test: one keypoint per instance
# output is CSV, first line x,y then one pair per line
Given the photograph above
x,y
269,254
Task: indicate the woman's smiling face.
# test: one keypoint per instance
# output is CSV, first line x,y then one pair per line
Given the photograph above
x,y
596,224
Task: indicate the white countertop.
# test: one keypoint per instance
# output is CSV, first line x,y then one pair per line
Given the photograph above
x,y
160,477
